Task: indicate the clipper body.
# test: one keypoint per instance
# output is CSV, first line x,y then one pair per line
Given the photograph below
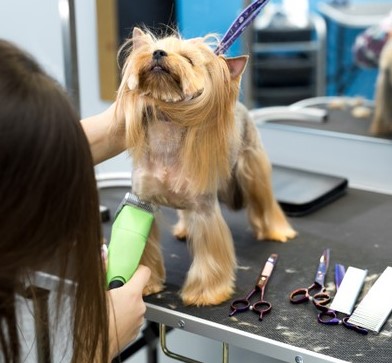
x,y
130,231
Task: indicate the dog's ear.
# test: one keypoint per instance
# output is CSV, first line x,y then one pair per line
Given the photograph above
x,y
139,38
237,65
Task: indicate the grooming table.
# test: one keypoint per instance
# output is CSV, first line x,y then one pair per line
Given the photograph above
x,y
356,227
340,116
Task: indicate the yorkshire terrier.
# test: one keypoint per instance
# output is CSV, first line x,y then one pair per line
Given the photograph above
x,y
194,146
382,120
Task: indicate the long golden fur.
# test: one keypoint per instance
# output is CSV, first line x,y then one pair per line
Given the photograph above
x,y
382,120
192,144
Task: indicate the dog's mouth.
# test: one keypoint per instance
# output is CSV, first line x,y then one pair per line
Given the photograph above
x,y
159,68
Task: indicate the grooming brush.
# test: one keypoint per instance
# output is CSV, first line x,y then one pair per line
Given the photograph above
x,y
375,307
130,231
348,290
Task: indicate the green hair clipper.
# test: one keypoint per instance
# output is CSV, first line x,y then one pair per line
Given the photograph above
x,y
131,228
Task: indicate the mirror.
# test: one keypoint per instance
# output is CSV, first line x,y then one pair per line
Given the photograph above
x,y
315,64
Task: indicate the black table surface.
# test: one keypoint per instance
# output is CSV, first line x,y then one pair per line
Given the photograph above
x,y
339,119
357,229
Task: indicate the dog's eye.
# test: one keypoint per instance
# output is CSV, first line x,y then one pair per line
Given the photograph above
x,y
188,59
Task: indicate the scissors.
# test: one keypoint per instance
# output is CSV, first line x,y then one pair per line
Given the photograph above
x,y
261,306
330,317
321,297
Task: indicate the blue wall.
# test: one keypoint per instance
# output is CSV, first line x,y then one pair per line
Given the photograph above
x,y
200,17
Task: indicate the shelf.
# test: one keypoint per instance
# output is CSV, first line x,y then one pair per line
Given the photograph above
x,y
288,63
269,71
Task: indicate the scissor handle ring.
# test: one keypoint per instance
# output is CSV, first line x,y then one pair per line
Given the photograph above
x,y
328,317
316,287
320,300
239,305
299,296
261,307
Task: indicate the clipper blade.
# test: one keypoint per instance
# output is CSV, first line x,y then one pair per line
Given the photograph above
x,y
131,198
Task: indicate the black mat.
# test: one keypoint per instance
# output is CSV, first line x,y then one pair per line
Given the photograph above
x,y
357,229
300,192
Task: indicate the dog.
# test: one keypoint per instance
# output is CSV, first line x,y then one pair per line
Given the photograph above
x,y
381,124
194,146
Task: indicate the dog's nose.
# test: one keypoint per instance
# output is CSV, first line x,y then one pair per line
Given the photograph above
x,y
158,54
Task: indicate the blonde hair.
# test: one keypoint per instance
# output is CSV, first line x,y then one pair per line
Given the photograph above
x,y
49,205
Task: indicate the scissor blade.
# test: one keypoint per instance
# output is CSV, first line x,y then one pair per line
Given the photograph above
x,y
267,270
340,271
322,268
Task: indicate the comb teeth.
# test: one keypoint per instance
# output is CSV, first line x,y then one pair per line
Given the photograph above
x,y
374,309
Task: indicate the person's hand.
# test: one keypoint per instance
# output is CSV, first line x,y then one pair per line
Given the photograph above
x,y
126,311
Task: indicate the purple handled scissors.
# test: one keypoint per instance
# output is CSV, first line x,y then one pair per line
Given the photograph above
x,y
261,306
239,25
321,297
330,317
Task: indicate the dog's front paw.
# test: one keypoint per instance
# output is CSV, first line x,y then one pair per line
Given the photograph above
x,y
206,296
282,234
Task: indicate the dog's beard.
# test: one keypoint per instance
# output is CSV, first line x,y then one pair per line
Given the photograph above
x,y
158,81
167,81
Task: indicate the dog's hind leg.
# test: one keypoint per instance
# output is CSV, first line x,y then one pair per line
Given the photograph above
x,y
153,258
253,174
179,229
210,279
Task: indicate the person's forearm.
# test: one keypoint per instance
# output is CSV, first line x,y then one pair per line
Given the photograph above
x,y
104,141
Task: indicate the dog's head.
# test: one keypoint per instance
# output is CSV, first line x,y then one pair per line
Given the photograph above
x,y
173,70
184,82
